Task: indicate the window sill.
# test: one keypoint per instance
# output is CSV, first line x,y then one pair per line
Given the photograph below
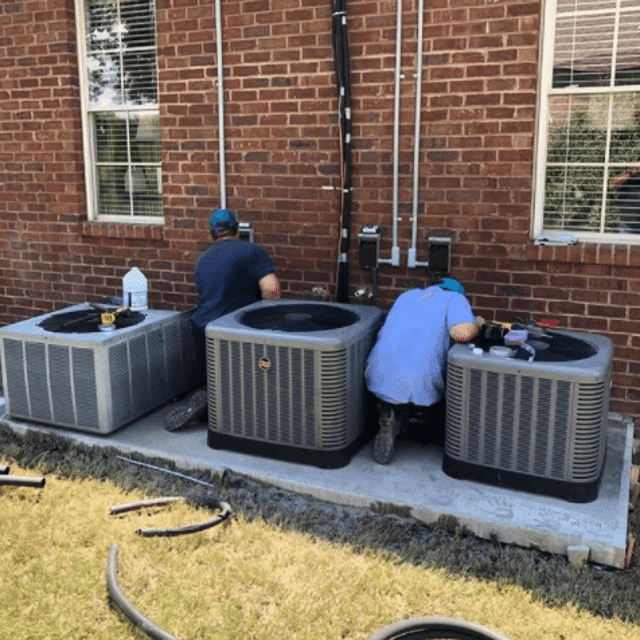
x,y
145,232
623,255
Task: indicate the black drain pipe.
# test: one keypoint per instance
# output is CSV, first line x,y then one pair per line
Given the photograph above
x,y
341,59
19,481
124,604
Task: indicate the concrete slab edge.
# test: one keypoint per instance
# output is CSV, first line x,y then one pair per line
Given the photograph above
x,y
606,554
551,542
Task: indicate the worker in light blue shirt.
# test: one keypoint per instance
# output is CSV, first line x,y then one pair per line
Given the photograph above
x,y
407,364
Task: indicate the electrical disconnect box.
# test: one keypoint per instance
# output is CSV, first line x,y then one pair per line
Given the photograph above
x,y
369,247
246,232
440,254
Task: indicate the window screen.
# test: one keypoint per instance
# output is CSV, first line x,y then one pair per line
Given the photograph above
x,y
591,123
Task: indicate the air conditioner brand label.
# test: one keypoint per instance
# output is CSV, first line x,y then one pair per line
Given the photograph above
x,y
264,363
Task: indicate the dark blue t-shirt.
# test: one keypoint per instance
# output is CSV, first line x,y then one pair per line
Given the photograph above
x,y
227,276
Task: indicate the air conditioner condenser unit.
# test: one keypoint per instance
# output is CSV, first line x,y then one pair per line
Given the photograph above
x,y
538,425
286,379
97,381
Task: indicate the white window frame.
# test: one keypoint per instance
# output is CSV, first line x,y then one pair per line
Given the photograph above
x,y
88,138
545,93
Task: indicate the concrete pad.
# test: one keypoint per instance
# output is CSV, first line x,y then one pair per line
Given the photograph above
x,y
413,485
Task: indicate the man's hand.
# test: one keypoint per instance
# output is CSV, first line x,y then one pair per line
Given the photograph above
x,y
270,287
466,331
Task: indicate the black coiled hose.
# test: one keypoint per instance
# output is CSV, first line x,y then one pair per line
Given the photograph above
x,y
436,628
225,512
118,597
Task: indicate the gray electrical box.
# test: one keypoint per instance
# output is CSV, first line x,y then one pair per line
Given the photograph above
x,y
440,254
369,247
246,232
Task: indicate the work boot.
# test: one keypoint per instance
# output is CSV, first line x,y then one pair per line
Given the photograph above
x,y
384,444
188,411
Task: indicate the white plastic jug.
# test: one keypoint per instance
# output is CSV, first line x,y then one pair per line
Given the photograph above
x,y
135,289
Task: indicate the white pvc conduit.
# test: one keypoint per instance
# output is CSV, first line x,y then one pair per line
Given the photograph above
x,y
411,259
394,261
223,173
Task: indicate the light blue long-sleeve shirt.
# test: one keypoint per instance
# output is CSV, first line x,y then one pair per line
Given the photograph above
x,y
408,362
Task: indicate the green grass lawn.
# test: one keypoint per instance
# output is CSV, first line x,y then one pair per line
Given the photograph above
x,y
250,578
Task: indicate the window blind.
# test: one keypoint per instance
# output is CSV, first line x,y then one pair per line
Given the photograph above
x,y
593,125
123,106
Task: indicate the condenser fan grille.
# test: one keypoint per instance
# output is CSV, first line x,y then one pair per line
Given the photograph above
x,y
298,318
556,347
87,321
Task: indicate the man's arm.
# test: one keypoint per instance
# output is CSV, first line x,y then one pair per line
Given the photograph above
x,y
269,287
467,330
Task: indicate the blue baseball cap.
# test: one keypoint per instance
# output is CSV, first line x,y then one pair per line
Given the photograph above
x,y
451,284
223,220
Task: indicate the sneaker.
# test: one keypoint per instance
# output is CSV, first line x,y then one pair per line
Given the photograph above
x,y
188,411
385,442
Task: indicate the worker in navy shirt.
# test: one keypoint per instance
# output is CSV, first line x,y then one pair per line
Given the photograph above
x,y
229,275
407,365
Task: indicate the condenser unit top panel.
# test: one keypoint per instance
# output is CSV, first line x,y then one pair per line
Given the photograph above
x,y
30,329
583,369
299,323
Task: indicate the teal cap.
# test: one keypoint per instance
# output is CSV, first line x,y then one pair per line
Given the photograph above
x,y
222,220
451,284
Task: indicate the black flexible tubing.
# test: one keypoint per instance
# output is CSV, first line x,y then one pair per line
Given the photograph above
x,y
17,481
436,628
117,595
149,532
341,57
337,64
189,528
141,504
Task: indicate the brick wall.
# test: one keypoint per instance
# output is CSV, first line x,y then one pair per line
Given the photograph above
x,y
41,190
282,154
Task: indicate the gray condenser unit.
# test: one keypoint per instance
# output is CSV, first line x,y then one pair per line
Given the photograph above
x,y
286,379
96,381
530,418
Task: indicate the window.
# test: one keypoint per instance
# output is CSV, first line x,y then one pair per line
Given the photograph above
x,y
120,109
588,164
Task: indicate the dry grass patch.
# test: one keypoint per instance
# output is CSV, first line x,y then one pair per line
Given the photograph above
x,y
248,579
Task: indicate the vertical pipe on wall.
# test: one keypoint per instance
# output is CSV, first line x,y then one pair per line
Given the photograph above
x,y
343,78
221,139
395,249
411,258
